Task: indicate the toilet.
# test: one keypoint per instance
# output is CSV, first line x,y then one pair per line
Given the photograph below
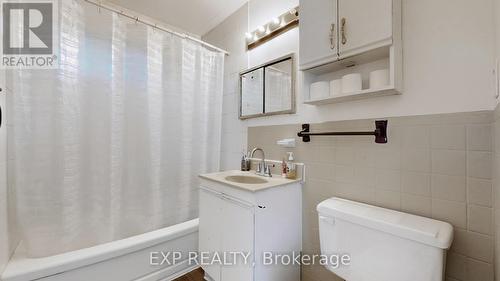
x,y
383,245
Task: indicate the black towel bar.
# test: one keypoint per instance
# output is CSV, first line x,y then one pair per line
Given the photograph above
x,y
380,132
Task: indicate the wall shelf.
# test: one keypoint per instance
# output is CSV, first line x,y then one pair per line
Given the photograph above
x,y
363,94
357,44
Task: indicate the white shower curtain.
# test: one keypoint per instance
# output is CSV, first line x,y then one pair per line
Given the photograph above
x,y
110,144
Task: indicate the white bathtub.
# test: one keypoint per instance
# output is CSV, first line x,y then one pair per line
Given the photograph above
x,y
123,260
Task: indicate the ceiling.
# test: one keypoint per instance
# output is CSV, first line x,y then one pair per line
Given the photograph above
x,y
193,16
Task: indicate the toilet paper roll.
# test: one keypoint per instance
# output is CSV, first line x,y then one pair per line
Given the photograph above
x,y
352,83
319,90
336,87
379,79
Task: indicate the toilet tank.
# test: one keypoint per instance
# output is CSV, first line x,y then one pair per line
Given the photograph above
x,y
383,245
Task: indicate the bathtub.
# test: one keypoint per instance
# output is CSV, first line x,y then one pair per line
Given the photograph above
x,y
122,260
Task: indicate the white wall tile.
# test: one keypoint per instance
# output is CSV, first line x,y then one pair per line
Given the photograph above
x,y
416,160
449,187
391,158
415,137
448,162
450,211
344,173
479,192
478,271
480,219
479,164
388,199
344,155
456,266
479,246
416,183
448,137
414,204
479,137
388,179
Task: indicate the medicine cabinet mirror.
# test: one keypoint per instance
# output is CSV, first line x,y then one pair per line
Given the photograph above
x,y
268,89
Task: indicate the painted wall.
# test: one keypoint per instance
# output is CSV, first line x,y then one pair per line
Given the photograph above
x,y
449,55
230,35
447,62
497,47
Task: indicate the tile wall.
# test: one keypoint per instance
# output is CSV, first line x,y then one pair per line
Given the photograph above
x,y
495,199
438,166
230,36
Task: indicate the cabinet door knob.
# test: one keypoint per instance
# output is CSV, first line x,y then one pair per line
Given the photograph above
x,y
344,36
332,36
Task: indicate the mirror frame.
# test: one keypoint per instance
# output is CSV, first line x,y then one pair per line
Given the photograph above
x,y
293,108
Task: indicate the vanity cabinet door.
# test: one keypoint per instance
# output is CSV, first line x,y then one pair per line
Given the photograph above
x,y
238,236
227,226
210,229
318,32
364,25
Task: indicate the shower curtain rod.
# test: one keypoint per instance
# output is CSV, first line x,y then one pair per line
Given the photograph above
x,y
99,4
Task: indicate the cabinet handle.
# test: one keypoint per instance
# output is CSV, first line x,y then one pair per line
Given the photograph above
x,y
344,36
332,36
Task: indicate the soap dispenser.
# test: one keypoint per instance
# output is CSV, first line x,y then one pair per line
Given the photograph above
x,y
291,168
245,162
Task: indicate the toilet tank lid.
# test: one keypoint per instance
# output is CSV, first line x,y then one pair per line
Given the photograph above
x,y
420,229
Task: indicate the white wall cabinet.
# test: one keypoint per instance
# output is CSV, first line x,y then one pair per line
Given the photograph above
x,y
335,29
364,25
318,32
366,38
234,220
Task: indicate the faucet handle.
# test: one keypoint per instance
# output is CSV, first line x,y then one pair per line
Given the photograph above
x,y
267,171
259,169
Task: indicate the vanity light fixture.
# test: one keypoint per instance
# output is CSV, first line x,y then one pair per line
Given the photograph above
x,y
273,28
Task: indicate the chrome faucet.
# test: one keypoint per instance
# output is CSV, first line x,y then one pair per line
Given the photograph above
x,y
262,168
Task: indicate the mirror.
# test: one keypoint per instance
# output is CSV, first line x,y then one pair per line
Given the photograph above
x,y
252,97
268,89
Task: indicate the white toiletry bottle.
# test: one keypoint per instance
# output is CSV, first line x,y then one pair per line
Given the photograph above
x,y
291,168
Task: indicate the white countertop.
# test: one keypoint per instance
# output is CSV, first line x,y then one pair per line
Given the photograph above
x,y
274,181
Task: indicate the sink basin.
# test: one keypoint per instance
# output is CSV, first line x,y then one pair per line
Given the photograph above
x,y
246,179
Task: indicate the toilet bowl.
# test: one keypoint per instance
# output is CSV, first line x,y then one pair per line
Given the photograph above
x,y
382,244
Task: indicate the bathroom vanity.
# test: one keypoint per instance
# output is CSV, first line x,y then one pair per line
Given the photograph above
x,y
241,212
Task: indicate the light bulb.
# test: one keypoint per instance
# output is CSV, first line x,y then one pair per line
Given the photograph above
x,y
255,37
248,35
268,30
261,28
283,22
276,20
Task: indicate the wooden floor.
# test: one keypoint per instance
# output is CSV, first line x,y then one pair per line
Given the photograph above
x,y
196,275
